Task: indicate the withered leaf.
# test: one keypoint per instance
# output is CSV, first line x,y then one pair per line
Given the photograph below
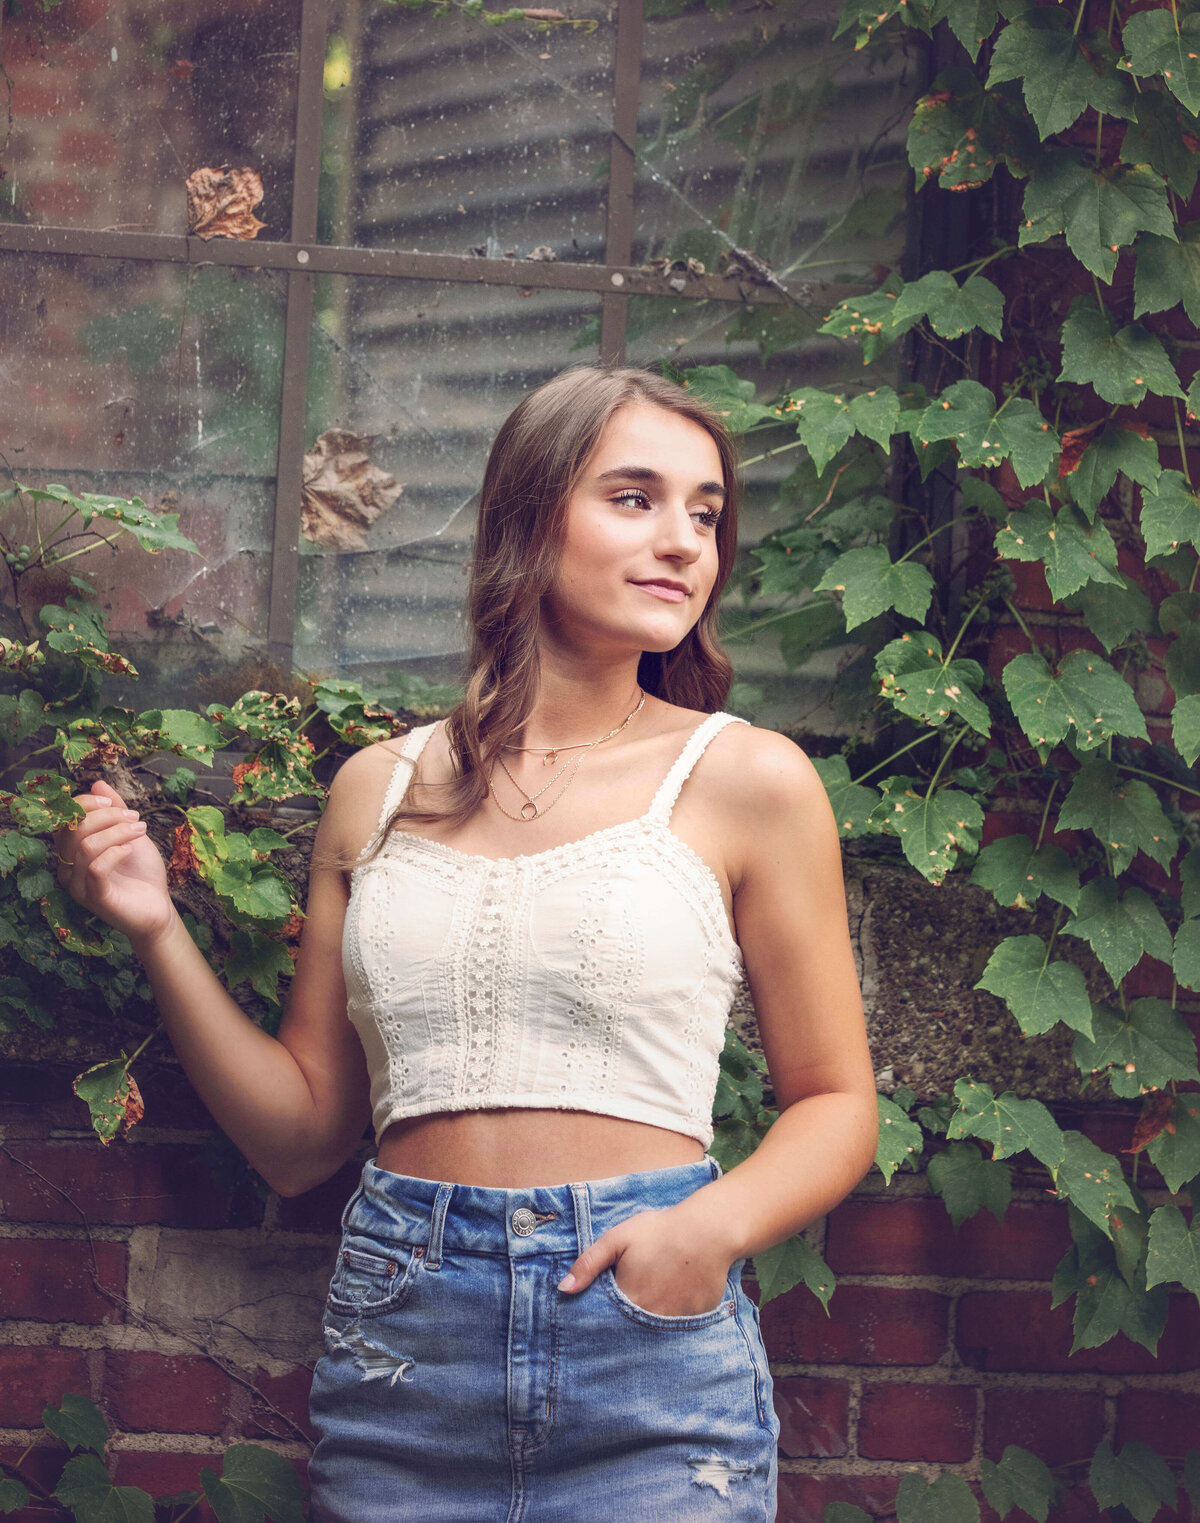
x,y
112,1097
343,493
220,202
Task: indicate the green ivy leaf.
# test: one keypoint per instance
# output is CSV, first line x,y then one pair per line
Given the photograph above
x,y
78,1421
952,309
1175,1151
960,132
1174,1251
111,1096
255,1484
986,435
262,959
1100,211
1155,46
968,1182
1115,448
1159,138
1041,51
900,1139
971,21
870,319
1179,615
1017,875
1120,364
851,802
1185,727
1085,693
947,1499
1171,517
1124,813
1092,1180
1019,1480
1138,1479
1119,929
916,678
1010,1124
1168,273
731,396
870,583
13,1496
1072,550
787,1264
875,413
1187,955
1142,1049
1105,1304
86,1488
824,422
1112,612
931,830
1039,993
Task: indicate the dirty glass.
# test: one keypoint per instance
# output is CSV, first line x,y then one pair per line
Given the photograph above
x,y
757,130
448,135
160,382
416,377
113,107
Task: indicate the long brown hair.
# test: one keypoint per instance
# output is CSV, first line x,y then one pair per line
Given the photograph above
x,y
534,466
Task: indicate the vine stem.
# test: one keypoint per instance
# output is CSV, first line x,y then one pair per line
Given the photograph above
x,y
1045,815
862,777
979,265
962,629
1187,475
1167,782
133,1056
945,758
778,450
1016,613
1079,17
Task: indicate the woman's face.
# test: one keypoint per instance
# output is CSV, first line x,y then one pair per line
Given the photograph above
x,y
639,556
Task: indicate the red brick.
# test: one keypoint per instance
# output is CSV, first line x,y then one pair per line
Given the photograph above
x,y
155,1393
62,199
320,1209
918,1237
867,1324
46,1280
814,1416
1032,589
1057,1424
289,1393
1169,1421
125,1184
86,149
33,1378
917,1422
1018,1330
35,1097
804,1498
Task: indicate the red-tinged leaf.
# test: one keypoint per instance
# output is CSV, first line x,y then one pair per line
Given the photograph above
x,y
1153,1119
1075,441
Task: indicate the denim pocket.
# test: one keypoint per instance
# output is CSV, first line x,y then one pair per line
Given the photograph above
x,y
367,1283
722,1311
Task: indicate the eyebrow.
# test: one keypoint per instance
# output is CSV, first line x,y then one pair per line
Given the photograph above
x,y
653,478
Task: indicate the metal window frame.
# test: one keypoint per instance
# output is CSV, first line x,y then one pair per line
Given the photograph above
x,y
301,257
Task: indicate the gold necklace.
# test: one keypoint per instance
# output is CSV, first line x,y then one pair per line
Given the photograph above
x,y
549,754
529,809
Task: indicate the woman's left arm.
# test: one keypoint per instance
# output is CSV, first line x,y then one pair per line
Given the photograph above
x,y
794,931
793,928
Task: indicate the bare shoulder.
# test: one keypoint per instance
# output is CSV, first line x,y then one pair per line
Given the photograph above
x,y
764,778
356,796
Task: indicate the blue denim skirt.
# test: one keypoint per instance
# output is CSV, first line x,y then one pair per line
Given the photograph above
x,y
459,1385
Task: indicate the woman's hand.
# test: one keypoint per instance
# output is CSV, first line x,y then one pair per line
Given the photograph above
x,y
109,865
661,1263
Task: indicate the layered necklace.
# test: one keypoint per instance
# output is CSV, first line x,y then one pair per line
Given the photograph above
x,y
549,754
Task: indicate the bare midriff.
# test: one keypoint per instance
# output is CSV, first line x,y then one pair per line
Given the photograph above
x,y
514,1149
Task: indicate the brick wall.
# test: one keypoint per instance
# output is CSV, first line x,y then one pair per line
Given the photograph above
x,y
193,1319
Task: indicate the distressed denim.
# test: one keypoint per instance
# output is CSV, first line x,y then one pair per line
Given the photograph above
x,y
459,1385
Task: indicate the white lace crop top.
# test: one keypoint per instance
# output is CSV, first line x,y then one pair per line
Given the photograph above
x,y
597,975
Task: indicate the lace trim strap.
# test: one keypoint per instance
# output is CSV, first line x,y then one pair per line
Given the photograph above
x,y
697,741
414,743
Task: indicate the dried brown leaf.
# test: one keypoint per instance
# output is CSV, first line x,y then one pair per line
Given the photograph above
x,y
343,493
220,202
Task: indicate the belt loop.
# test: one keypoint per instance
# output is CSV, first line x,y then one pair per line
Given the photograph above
x,y
359,1192
583,1216
717,1170
433,1258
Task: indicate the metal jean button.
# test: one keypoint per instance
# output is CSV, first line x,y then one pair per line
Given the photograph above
x,y
523,1221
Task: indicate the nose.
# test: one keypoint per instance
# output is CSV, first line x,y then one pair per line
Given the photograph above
x,y
678,537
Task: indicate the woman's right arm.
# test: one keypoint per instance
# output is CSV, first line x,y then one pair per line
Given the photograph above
x,y
295,1105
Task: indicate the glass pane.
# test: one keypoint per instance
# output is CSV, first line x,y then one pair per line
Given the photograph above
x,y
159,382
111,113
426,373
756,129
446,134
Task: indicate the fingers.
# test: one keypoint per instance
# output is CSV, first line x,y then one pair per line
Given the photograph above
x,y
107,823
606,1250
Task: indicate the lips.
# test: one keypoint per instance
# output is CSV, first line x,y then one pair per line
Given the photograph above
x,y
670,592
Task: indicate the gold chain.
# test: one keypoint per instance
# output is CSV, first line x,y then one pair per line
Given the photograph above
x,y
549,754
529,809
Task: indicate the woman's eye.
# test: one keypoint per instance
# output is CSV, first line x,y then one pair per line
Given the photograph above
x,y
639,499
709,518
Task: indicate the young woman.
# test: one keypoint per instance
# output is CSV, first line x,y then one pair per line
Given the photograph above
x,y
525,927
